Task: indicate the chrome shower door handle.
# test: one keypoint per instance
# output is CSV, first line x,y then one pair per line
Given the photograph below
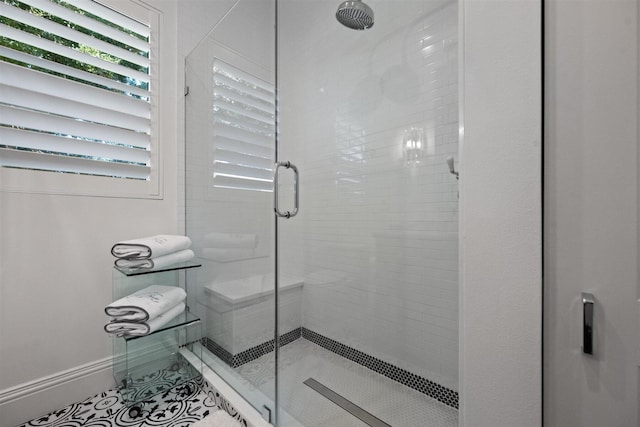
x,y
296,200
588,302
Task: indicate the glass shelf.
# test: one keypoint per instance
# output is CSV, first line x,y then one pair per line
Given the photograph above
x,y
140,384
151,364
141,271
185,318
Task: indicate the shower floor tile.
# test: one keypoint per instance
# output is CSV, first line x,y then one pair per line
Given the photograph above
x,y
386,399
178,407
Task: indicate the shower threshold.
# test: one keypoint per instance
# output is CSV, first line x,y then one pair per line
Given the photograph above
x,y
347,405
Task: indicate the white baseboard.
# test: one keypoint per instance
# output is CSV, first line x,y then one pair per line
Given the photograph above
x,y
35,398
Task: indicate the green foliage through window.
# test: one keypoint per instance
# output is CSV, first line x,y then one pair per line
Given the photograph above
x,y
89,50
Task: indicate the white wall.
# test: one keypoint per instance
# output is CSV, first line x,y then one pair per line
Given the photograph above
x,y
55,274
500,218
591,211
377,236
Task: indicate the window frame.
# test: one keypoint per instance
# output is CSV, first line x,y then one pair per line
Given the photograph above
x,y
16,180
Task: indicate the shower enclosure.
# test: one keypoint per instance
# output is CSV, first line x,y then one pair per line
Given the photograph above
x,y
340,308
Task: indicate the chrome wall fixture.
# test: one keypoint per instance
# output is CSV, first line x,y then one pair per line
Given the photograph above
x,y
296,200
452,169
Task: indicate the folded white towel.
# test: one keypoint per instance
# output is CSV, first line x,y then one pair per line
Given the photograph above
x,y
157,263
218,419
146,304
231,240
147,247
136,329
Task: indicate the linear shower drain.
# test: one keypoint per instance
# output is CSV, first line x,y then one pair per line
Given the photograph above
x,y
347,405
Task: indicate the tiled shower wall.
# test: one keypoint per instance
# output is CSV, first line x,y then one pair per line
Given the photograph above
x,y
376,238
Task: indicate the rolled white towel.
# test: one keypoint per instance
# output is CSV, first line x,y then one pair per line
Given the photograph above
x,y
147,303
148,247
231,240
136,329
218,419
157,263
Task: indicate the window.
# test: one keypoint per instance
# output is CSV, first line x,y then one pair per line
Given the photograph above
x,y
75,93
244,115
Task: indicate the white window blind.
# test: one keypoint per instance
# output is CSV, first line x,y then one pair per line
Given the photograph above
x,y
244,116
74,91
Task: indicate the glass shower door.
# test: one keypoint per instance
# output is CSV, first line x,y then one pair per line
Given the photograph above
x,y
230,153
371,260
360,286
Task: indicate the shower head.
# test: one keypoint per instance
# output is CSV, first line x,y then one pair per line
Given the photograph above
x,y
355,14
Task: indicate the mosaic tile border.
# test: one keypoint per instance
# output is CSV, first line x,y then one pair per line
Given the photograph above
x,y
217,350
434,390
440,393
246,356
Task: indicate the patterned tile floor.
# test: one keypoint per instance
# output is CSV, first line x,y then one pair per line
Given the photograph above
x,y
183,405
178,407
388,400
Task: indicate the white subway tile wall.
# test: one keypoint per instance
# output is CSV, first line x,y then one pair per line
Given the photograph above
x,y
376,239
370,118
